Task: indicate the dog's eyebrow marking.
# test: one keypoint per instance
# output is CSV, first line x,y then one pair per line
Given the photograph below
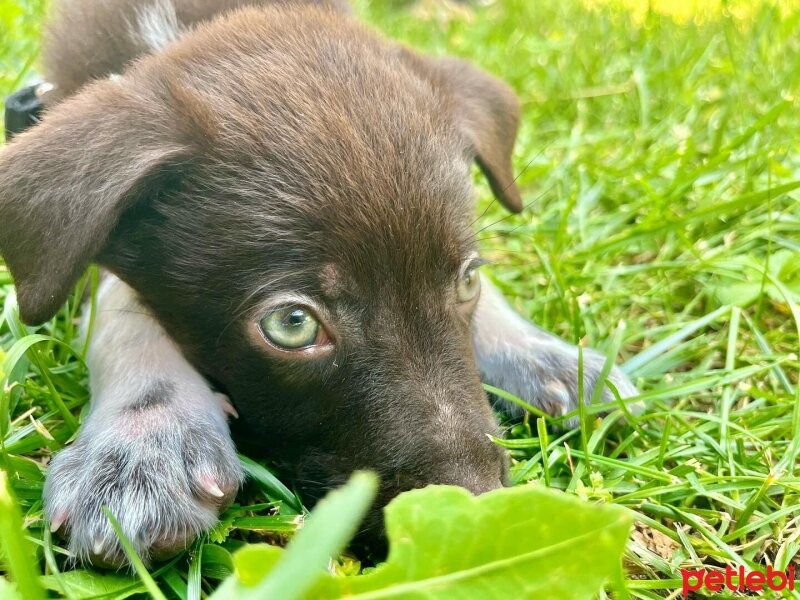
x,y
157,24
331,280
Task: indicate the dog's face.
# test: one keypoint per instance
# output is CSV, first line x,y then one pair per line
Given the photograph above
x,y
291,197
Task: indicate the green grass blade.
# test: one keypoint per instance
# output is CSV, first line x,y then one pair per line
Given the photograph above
x,y
136,562
15,547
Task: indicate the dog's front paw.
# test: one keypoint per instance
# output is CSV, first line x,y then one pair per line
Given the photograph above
x,y
163,474
546,376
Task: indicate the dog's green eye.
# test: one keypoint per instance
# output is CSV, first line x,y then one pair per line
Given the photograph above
x,y
291,328
469,284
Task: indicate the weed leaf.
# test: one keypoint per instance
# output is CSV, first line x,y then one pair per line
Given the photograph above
x,y
525,542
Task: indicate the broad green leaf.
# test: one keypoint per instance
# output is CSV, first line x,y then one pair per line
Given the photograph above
x,y
293,572
217,562
7,590
524,542
252,563
90,584
17,551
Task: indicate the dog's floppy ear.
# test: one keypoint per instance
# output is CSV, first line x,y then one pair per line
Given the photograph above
x,y
65,183
488,114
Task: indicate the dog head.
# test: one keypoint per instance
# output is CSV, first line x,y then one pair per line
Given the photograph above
x,y
291,197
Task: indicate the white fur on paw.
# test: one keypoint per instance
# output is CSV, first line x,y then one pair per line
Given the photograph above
x,y
164,476
548,379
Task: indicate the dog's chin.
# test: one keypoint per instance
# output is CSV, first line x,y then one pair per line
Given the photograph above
x,y
312,477
370,544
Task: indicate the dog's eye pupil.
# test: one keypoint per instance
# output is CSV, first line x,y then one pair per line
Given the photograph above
x,y
290,328
297,318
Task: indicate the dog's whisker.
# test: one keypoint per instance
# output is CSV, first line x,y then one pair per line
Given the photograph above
x,y
513,181
508,216
495,262
501,234
123,310
483,213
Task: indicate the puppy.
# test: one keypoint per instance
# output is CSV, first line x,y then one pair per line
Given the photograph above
x,y
281,201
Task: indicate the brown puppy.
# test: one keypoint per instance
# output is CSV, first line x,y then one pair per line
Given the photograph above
x,y
289,196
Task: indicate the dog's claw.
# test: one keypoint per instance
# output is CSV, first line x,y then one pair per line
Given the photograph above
x,y
108,467
210,485
227,407
57,521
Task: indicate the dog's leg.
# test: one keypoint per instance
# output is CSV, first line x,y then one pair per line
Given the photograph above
x,y
518,357
154,448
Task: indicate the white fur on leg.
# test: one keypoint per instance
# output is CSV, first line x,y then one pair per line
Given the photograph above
x,y
155,447
518,357
130,353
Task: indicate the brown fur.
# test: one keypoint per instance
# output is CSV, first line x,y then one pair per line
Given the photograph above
x,y
221,84
278,149
87,39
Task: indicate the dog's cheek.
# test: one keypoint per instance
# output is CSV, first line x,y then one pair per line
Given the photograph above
x,y
279,419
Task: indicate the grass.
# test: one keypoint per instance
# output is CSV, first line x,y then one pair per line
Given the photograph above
x,y
659,161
